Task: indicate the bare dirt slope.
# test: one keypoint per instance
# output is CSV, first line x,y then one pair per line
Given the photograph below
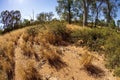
x,y
74,71
34,60
72,57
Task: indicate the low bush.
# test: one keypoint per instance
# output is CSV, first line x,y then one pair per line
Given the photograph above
x,y
92,38
117,72
61,34
103,39
33,31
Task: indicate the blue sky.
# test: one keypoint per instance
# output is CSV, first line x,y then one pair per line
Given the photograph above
x,y
27,6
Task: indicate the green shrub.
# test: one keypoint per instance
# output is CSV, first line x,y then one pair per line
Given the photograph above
x,y
60,32
92,38
112,45
33,31
97,37
1,31
117,72
112,24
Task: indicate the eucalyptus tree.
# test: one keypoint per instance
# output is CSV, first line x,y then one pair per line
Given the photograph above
x,y
96,9
42,17
84,7
110,9
65,9
45,16
10,19
49,16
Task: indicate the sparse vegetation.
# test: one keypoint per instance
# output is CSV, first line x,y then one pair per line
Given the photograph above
x,y
60,32
32,74
94,71
108,38
33,31
117,72
93,38
45,37
48,42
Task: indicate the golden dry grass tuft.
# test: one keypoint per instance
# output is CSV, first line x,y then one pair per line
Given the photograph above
x,y
32,74
87,59
8,44
43,39
87,64
53,58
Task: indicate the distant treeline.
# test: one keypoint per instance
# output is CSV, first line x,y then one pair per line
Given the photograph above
x,y
84,12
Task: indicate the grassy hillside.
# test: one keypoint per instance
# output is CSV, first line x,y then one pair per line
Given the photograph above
x,y
48,52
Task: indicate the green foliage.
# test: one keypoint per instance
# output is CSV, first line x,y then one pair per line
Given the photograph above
x,y
33,31
10,19
60,29
117,72
44,17
112,45
60,32
101,23
26,22
1,31
65,9
95,38
112,24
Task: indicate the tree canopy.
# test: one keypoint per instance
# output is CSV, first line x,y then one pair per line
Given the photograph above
x,y
71,10
10,19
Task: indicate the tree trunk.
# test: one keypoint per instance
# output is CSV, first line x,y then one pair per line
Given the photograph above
x,y
85,17
96,19
69,11
108,11
97,13
85,13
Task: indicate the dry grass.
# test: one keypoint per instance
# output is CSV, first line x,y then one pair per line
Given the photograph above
x,y
53,58
32,74
94,71
44,39
86,59
118,78
7,68
8,44
72,27
87,64
32,57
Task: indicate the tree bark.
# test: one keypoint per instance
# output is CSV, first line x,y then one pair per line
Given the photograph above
x,y
69,11
85,13
96,19
108,11
97,13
